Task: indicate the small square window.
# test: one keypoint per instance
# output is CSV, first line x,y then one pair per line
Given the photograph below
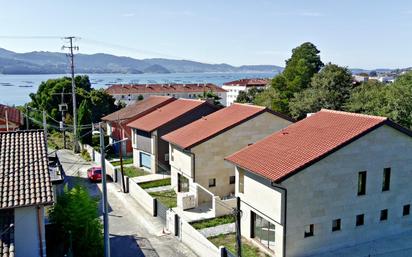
x,y
360,219
384,215
336,225
212,182
309,230
232,180
406,210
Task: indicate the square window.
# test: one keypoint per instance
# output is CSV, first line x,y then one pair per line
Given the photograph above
x,y
232,180
309,230
360,219
406,210
384,215
362,183
212,182
336,225
386,179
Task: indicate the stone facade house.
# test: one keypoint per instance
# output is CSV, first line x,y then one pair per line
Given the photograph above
x,y
26,189
116,122
197,150
150,151
331,180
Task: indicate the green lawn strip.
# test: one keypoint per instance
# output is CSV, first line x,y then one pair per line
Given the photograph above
x,y
155,183
213,222
167,198
133,172
125,161
229,241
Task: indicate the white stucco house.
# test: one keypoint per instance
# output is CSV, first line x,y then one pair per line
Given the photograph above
x,y
197,150
329,181
233,88
26,188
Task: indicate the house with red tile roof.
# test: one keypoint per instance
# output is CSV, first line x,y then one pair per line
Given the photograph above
x,y
233,88
197,150
116,122
150,151
129,93
10,118
331,180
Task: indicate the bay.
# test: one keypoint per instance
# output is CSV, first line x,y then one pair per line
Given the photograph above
x,y
15,89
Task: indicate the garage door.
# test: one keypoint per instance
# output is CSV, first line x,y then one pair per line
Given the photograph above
x,y
145,160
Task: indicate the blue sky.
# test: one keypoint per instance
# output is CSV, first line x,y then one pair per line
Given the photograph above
x,y
366,34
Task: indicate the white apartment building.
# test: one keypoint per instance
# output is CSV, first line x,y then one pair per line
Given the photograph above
x,y
234,87
330,181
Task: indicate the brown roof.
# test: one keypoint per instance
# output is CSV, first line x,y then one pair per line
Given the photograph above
x,y
165,114
139,108
301,144
13,114
248,82
24,171
125,89
213,124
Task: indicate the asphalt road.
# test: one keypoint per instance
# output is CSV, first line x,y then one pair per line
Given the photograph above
x,y
133,232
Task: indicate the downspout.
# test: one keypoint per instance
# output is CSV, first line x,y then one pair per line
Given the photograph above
x,y
193,166
39,231
285,198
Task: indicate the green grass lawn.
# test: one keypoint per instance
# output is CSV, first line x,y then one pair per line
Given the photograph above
x,y
155,183
168,198
133,172
229,241
125,161
213,222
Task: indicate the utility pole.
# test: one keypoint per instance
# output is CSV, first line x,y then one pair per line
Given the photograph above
x,y
238,232
45,125
120,128
104,200
63,108
7,118
27,117
71,55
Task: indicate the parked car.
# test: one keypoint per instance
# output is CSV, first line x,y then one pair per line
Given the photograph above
x,y
94,174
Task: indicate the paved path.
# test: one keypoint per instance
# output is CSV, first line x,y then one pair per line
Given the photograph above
x,y
133,232
159,189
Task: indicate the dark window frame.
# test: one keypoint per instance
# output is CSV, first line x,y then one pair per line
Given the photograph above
x,y
361,183
336,226
386,179
384,215
406,210
311,230
360,220
214,182
232,180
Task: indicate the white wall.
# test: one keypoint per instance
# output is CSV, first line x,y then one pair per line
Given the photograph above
x,y
26,232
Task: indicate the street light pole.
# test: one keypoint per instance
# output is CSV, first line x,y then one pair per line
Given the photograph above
x,y
104,188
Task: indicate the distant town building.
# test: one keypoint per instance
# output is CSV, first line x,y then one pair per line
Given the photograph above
x,y
360,78
129,93
10,118
234,87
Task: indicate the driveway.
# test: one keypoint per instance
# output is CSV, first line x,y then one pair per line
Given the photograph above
x,y
133,232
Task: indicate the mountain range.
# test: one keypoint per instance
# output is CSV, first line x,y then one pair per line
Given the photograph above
x,y
58,63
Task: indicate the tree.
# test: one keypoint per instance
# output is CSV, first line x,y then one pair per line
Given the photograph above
x,y
140,98
85,118
248,96
330,88
210,96
303,64
373,73
268,98
76,216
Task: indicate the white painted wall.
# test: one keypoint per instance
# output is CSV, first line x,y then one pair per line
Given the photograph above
x,y
26,232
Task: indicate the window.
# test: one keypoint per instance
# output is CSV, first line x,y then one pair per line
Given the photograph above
x,y
166,157
263,231
336,225
362,183
360,219
212,182
386,179
309,229
182,183
406,210
232,180
384,215
241,181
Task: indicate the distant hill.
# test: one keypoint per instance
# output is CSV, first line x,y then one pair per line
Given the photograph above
x,y
56,63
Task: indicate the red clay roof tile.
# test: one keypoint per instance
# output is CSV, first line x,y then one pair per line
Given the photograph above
x,y
125,89
285,152
248,82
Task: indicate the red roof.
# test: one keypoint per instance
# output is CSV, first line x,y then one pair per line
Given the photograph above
x,y
213,124
161,88
248,82
139,108
165,114
301,144
13,114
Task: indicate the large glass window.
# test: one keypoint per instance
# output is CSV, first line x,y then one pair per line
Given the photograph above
x,y
386,179
183,183
263,231
362,183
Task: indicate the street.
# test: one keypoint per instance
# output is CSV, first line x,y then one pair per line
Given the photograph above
x,y
133,232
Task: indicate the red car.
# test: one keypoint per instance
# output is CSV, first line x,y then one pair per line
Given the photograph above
x,y
95,174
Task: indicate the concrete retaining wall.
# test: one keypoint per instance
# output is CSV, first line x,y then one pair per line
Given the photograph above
x,y
141,196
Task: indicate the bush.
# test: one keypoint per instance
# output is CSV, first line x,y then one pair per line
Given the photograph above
x,y
76,213
85,155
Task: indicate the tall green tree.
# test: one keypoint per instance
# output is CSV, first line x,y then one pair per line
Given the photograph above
x,y
210,96
76,216
330,88
248,96
84,119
